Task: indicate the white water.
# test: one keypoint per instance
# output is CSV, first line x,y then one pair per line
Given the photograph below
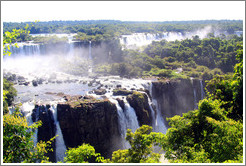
x,y
194,93
132,121
159,125
136,40
202,90
195,99
90,59
60,145
122,124
27,108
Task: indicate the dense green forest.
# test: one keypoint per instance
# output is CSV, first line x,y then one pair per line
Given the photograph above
x,y
213,133
108,29
198,58
123,27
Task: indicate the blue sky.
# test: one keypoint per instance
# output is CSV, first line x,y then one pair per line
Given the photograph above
x,y
21,11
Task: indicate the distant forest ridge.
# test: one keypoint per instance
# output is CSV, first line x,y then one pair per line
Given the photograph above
x,y
117,27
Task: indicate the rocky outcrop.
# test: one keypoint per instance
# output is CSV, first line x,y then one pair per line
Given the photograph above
x,y
121,92
48,128
88,120
100,91
139,101
176,96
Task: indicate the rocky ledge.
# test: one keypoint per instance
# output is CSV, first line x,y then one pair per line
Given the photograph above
x,y
88,120
176,96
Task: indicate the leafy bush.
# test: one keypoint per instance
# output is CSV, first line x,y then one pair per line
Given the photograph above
x,y
141,150
18,145
82,154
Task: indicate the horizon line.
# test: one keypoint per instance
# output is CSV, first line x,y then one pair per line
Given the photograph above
x,y
124,20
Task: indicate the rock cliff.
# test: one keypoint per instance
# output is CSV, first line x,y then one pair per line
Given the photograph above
x,y
87,120
139,101
177,96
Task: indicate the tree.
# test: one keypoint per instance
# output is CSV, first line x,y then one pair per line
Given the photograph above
x,y
83,154
9,92
18,145
141,150
10,37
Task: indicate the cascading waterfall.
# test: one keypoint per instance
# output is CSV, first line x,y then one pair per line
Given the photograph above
x,y
127,119
71,49
159,125
90,50
151,109
194,93
90,59
122,124
60,145
27,109
25,49
202,90
195,98
132,121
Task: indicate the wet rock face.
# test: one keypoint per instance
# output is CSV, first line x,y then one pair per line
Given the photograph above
x,y
89,121
48,128
176,97
139,101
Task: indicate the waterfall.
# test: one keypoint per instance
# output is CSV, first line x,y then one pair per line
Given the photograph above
x,y
202,90
90,59
70,49
127,119
132,121
90,50
195,98
159,125
60,145
194,93
151,109
122,124
25,49
27,108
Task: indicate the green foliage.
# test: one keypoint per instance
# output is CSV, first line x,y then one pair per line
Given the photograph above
x,y
124,70
18,145
83,154
50,39
229,89
204,135
141,150
116,28
9,92
11,37
213,132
